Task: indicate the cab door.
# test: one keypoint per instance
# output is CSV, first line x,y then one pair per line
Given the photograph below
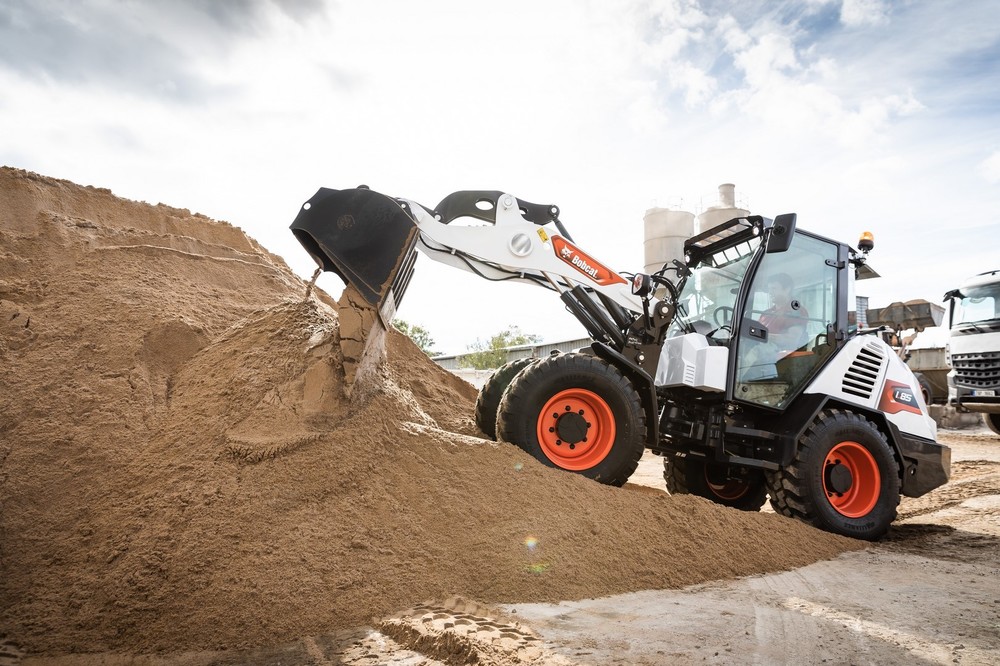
x,y
790,318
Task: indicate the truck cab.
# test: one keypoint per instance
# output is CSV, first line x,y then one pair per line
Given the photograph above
x,y
974,347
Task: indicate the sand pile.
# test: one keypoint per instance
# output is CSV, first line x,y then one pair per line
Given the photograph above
x,y
180,467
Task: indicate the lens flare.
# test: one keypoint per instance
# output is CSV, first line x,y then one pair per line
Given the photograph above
x,y
531,542
518,466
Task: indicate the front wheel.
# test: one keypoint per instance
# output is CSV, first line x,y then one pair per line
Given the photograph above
x,y
844,478
578,413
740,488
992,422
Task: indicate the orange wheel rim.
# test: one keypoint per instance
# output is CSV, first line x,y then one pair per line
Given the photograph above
x,y
851,479
576,429
731,489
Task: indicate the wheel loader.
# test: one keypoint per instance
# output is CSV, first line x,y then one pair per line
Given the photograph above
x,y
740,365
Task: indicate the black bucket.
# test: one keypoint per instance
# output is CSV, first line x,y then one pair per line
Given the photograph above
x,y
364,237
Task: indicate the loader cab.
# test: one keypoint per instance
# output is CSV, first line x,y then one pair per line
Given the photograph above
x,y
792,318
778,308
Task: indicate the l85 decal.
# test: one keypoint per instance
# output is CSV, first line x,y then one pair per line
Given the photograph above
x,y
898,397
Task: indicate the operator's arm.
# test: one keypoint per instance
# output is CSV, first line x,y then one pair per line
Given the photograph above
x,y
788,332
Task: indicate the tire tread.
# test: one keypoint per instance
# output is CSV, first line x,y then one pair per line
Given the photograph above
x,y
533,378
788,488
488,400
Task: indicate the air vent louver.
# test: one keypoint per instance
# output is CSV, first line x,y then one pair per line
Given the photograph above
x,y
860,378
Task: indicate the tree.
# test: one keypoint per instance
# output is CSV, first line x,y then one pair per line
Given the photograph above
x,y
420,335
493,353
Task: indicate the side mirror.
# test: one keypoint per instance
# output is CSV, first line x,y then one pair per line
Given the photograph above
x,y
782,231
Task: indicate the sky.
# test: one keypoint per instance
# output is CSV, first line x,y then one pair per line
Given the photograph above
x,y
858,115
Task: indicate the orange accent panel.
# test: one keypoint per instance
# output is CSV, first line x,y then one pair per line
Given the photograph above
x,y
898,397
584,263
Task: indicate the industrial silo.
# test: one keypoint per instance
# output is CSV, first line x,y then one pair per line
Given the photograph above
x,y
723,211
665,230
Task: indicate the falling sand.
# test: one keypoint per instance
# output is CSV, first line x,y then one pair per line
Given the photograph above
x,y
184,466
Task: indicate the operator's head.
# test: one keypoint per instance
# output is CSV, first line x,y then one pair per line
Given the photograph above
x,y
779,287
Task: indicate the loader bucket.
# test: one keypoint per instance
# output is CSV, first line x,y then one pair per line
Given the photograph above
x,y
364,237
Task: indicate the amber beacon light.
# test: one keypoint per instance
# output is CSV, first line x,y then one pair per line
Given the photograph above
x,y
867,242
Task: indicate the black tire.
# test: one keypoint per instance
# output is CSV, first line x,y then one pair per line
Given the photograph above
x,y
488,400
575,412
844,478
925,388
992,422
740,488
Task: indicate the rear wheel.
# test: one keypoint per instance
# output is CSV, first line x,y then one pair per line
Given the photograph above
x,y
844,478
740,488
488,400
578,413
992,422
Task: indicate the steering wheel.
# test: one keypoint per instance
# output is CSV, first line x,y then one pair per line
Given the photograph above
x,y
723,315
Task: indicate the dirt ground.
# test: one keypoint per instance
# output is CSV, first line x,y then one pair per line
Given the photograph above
x,y
928,594
198,465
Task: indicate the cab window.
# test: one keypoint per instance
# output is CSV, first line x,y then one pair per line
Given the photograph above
x,y
791,305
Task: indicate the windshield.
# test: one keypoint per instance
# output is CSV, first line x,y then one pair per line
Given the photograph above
x,y
706,302
978,304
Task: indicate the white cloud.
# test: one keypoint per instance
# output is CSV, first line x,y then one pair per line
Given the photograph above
x,y
734,38
791,84
871,117
696,84
857,13
768,57
990,168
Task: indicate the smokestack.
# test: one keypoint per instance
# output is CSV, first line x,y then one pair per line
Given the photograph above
x,y
727,195
721,212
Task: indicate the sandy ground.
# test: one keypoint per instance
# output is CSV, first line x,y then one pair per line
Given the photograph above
x,y
197,453
929,594
197,466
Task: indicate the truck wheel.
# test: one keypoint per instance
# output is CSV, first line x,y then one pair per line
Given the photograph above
x,y
844,478
578,413
744,489
488,400
992,422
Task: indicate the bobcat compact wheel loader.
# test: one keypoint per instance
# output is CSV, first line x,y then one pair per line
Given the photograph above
x,y
743,370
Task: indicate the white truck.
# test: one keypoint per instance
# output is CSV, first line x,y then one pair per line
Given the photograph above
x,y
974,347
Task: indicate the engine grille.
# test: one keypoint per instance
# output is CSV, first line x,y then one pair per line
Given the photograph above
x,y
860,378
690,375
977,371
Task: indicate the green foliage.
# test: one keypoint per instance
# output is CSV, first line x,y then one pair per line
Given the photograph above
x,y
493,353
420,335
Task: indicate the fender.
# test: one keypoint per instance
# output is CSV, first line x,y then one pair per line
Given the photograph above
x,y
924,464
642,383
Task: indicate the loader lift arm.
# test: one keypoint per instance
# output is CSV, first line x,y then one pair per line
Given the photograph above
x,y
370,240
